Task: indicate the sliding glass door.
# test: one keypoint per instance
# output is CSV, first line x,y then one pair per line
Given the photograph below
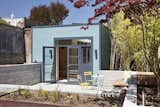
x,y
73,63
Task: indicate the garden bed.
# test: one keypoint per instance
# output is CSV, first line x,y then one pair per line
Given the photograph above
x,y
26,98
150,94
1,94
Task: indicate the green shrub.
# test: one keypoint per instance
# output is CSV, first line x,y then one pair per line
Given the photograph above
x,y
53,98
40,93
19,90
58,94
43,93
69,97
26,94
78,97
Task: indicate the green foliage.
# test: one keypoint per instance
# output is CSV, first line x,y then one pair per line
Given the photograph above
x,y
46,94
133,44
2,21
53,98
40,15
53,14
78,97
55,95
127,37
43,93
69,97
58,12
151,26
20,90
40,91
26,93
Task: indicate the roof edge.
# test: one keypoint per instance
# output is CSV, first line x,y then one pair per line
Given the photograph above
x,y
45,26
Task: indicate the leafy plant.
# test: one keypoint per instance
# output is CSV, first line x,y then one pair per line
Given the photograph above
x,y
40,91
69,97
26,94
43,93
19,90
3,21
78,97
52,14
55,96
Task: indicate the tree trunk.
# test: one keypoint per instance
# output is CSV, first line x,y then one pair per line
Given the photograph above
x,y
158,80
113,56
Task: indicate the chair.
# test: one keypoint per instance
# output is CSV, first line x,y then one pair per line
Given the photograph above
x,y
87,79
100,81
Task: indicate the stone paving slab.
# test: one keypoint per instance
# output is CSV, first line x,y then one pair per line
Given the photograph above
x,y
65,88
6,88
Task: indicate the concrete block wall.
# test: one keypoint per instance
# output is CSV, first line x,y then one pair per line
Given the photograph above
x,y
111,76
20,74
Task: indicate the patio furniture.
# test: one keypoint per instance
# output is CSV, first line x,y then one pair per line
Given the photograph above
x,y
112,92
100,81
81,83
88,80
88,77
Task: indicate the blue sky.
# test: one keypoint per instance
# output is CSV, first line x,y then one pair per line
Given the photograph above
x,y
21,8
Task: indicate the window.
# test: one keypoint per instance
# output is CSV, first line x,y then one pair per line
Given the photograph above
x,y
73,42
86,55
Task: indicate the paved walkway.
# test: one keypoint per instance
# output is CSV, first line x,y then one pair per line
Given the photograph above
x,y
6,88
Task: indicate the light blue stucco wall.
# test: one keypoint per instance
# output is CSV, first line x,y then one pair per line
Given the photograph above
x,y
44,36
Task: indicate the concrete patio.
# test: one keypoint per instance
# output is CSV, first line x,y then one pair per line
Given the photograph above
x,y
67,88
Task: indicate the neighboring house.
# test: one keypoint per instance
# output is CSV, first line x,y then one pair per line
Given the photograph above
x,y
13,21
67,51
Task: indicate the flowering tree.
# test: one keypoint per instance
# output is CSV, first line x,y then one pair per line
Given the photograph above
x,y
142,13
108,8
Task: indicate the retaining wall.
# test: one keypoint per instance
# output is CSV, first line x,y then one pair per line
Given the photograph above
x,y
21,74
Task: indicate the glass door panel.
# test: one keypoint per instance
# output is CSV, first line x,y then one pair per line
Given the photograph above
x,y
85,60
72,63
49,71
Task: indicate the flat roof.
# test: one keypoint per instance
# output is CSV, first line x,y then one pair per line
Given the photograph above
x,y
85,24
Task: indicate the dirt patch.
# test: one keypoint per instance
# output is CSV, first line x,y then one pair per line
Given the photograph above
x,y
58,98
150,94
1,94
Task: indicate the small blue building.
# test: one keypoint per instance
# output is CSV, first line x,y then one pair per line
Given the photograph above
x,y
67,51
